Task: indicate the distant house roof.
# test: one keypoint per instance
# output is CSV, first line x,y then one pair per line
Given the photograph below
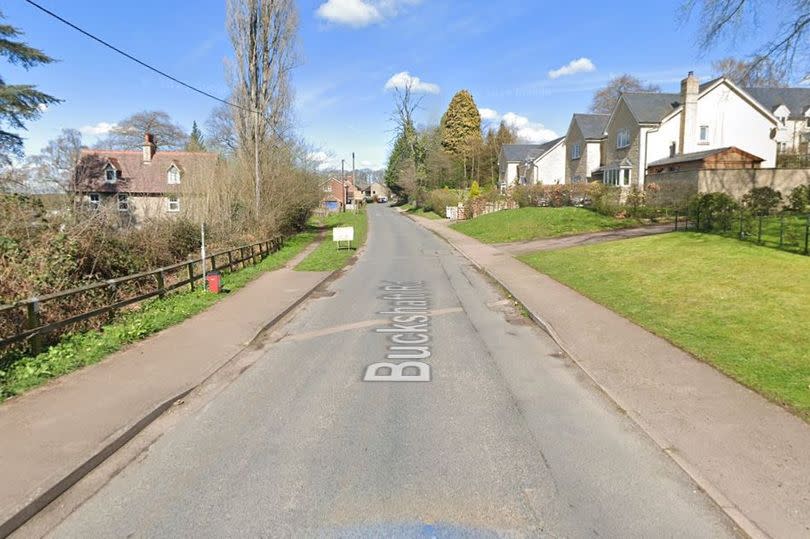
x,y
797,100
135,176
521,152
700,156
651,107
592,126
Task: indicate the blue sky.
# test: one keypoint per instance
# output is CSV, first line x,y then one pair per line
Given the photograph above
x,y
502,51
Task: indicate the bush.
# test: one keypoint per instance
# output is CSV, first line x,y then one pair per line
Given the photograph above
x,y
437,200
475,190
762,200
799,198
713,210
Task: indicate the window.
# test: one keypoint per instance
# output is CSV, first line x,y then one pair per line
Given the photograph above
x,y
623,138
327,188
576,151
174,175
95,200
782,147
123,203
110,174
704,134
173,203
617,176
782,120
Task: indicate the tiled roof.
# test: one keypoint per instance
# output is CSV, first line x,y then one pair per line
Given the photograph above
x,y
797,100
699,156
135,176
650,107
592,126
521,152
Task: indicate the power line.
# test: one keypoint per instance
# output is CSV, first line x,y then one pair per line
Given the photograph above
x,y
137,61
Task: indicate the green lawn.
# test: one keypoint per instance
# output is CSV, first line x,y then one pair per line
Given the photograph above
x,y
327,257
82,349
738,306
421,212
536,223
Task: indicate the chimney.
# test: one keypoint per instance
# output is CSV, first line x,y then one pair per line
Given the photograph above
x,y
149,147
690,87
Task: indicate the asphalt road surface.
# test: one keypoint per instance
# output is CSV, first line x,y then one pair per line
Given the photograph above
x,y
508,438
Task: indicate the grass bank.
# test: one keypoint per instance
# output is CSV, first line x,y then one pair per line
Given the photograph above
x,y
81,349
326,257
740,307
525,224
421,212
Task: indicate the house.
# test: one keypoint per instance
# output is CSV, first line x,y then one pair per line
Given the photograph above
x,y
646,127
791,106
717,159
583,142
377,190
334,194
532,163
140,184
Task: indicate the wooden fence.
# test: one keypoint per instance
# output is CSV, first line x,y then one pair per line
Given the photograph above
x,y
163,280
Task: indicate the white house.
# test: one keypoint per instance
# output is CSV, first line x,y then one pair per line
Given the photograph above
x,y
791,107
528,164
646,127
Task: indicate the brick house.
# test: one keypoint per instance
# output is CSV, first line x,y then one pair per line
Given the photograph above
x,y
140,184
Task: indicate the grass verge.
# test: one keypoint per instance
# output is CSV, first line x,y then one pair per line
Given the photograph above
x,y
326,257
738,306
524,224
421,212
78,350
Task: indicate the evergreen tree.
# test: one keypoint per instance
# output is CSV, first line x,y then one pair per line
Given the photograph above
x,y
18,102
196,142
461,124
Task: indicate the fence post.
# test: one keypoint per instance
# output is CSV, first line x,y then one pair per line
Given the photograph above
x,y
112,292
213,262
807,234
781,230
34,322
191,275
759,230
676,221
697,223
161,282
230,260
742,233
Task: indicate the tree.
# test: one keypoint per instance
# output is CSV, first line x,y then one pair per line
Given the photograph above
x,y
54,167
461,124
744,73
19,103
606,98
407,156
128,133
196,142
220,131
737,20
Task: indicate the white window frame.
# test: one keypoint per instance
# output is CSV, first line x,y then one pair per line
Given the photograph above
x,y
576,151
173,175
703,134
123,202
95,200
107,171
617,177
173,203
622,138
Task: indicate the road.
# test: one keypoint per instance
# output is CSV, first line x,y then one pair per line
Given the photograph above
x,y
508,438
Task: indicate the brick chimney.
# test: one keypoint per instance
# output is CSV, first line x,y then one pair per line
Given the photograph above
x,y
690,88
149,147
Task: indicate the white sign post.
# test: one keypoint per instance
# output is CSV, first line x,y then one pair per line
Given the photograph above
x,y
341,234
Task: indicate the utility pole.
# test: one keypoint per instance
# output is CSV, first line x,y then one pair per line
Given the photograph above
x,y
256,163
343,182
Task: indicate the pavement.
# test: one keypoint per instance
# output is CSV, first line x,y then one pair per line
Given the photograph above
x,y
54,435
750,455
548,244
507,438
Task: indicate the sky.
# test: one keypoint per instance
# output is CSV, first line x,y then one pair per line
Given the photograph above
x,y
532,63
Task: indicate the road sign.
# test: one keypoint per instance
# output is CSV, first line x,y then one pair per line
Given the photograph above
x,y
343,234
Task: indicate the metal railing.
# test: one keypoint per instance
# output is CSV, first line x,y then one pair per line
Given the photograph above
x,y
163,280
785,230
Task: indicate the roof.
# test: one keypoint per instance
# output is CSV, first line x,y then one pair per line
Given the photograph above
x,y
797,100
700,156
134,175
522,152
592,126
651,107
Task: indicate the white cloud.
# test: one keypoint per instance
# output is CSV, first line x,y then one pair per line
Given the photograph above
x,y
403,79
527,130
580,65
101,128
360,13
489,114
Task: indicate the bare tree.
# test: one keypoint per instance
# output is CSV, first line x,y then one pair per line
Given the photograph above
x,y
741,72
53,169
405,105
606,98
220,132
735,20
263,35
128,133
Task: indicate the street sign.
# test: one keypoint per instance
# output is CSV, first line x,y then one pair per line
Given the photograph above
x,y
343,234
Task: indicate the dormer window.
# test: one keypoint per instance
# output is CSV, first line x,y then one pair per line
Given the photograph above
x,y
174,175
110,174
